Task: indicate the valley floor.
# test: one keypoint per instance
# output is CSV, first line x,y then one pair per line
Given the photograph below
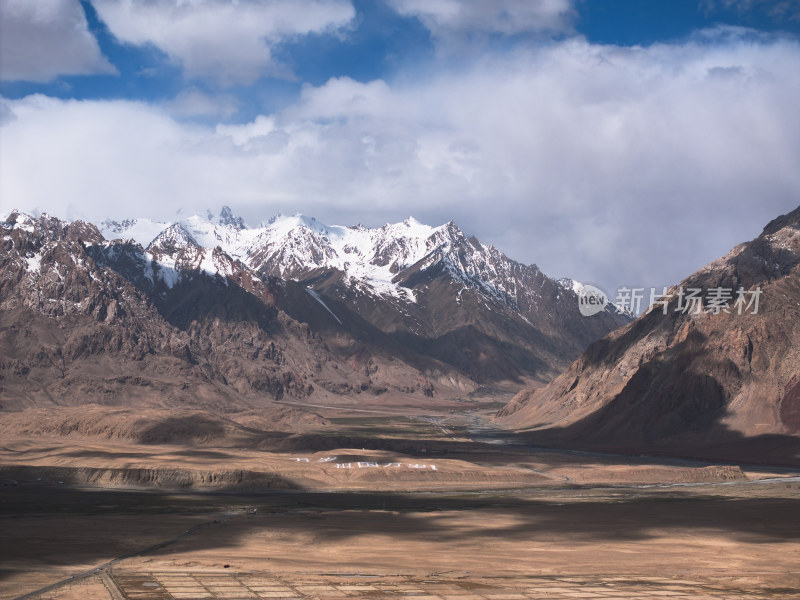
x,y
89,518
740,540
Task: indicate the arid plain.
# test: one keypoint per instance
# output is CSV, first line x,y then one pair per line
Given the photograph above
x,y
360,504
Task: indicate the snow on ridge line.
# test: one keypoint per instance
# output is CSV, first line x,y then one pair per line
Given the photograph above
x,y
142,231
303,240
370,257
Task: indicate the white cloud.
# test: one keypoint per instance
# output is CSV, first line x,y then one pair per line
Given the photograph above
x,y
41,40
345,98
776,9
229,41
447,18
193,102
612,165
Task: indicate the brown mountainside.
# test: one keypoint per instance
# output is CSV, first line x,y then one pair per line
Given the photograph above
x,y
718,383
80,323
178,325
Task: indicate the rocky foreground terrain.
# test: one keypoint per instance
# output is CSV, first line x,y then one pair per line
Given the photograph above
x,y
711,383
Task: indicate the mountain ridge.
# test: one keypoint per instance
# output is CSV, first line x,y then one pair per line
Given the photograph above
x,y
404,310
723,381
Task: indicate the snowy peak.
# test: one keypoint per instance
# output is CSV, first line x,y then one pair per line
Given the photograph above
x,y
142,231
400,245
226,218
19,220
172,240
294,246
209,231
290,248
384,261
49,230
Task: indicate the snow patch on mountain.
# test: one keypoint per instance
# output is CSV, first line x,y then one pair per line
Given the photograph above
x,y
142,231
319,299
571,284
34,263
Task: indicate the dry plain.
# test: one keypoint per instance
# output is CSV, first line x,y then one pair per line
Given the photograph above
x,y
422,507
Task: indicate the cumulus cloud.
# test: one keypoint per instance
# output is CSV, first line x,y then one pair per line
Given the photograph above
x,y
619,166
41,40
452,18
776,9
229,41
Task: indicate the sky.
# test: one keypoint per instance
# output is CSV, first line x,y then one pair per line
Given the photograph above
x,y
616,142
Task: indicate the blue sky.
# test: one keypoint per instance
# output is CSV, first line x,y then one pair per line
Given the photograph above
x,y
380,43
621,142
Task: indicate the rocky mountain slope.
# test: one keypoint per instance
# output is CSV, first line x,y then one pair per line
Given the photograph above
x,y
206,313
700,380
431,289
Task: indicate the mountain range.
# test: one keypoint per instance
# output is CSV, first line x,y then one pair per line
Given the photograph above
x,y
719,379
207,313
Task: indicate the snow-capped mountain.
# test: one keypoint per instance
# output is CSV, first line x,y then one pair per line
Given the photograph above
x,y
404,308
291,247
142,231
370,259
